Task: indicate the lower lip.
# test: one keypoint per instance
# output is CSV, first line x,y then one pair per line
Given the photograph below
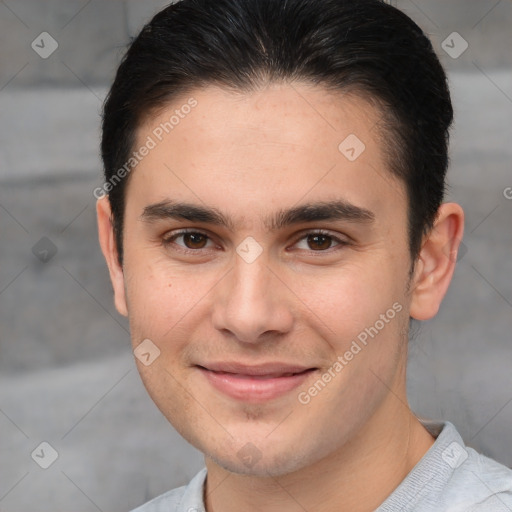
x,y
252,389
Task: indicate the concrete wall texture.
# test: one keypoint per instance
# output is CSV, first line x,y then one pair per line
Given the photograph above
x,y
67,374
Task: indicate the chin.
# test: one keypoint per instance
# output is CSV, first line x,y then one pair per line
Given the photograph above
x,y
262,468
272,460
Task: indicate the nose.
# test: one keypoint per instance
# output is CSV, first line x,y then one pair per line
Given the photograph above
x,y
252,303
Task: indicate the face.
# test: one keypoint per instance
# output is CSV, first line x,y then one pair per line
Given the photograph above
x,y
280,316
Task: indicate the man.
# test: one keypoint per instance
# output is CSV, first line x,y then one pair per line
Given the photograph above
x,y
274,219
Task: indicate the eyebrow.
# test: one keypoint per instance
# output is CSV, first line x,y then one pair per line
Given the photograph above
x,y
309,212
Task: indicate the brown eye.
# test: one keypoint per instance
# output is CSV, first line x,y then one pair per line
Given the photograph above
x,y
194,240
319,241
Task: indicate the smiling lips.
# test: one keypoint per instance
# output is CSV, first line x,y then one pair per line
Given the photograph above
x,y
255,384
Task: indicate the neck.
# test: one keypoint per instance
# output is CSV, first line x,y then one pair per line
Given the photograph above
x,y
356,478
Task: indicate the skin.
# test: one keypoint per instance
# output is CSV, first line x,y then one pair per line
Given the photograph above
x,y
301,301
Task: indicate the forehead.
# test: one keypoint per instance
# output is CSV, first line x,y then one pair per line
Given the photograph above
x,y
270,147
295,114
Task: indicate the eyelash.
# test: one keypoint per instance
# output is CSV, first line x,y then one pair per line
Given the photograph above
x,y
166,242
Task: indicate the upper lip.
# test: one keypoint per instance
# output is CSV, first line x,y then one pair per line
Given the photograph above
x,y
274,368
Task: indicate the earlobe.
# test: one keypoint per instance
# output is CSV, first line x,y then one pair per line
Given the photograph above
x,y
436,262
109,250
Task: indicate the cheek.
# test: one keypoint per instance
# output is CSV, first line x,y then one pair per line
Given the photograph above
x,y
155,301
160,305
349,299
166,304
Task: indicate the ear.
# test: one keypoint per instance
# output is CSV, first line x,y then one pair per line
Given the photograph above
x,y
109,250
436,262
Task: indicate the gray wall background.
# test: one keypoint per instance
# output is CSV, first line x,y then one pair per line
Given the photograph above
x,y
67,375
